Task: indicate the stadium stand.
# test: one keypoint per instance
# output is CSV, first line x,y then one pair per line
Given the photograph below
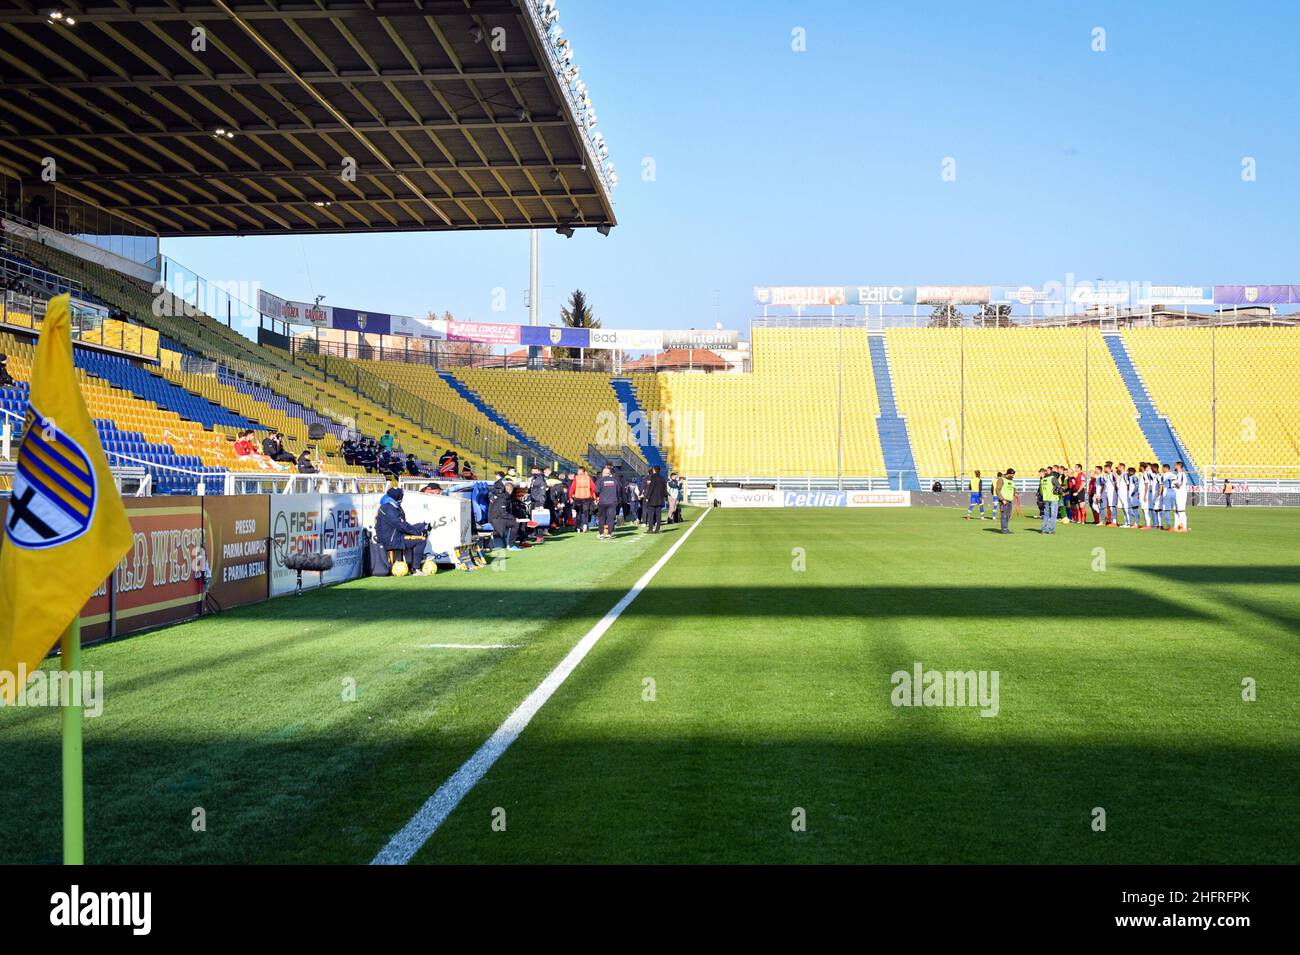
x,y
1027,397
134,431
1155,427
266,366
565,410
895,442
781,420
917,403
630,405
463,427
1231,395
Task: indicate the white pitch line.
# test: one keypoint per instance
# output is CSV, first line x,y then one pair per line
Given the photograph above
x,y
470,646
412,837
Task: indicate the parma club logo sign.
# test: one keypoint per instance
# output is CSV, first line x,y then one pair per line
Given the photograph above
x,y
54,491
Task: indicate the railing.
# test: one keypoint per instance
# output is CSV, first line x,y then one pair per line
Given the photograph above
x,y
451,427
443,354
25,271
260,482
91,324
619,459
1107,319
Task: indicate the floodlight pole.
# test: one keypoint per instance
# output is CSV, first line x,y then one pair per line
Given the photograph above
x,y
534,265
839,430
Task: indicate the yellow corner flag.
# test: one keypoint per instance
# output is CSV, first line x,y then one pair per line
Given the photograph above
x,y
66,528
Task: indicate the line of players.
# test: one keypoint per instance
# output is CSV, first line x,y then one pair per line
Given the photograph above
x,y
1113,494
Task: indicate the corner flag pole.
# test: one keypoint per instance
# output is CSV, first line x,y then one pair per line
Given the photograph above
x,y
74,830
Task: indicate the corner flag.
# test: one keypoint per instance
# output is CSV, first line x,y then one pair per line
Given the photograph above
x,y
66,528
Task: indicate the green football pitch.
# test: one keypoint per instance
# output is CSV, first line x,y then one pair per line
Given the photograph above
x,y
741,709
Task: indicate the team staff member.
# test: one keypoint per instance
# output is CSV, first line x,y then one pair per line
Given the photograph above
x,y
503,522
1007,498
607,498
656,493
394,533
1049,488
582,492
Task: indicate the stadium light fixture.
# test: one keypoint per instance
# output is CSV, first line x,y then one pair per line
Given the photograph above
x,y
604,228
476,32
565,229
521,114
222,133
555,175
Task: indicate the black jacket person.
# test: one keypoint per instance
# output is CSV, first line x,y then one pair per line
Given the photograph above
x,y
391,527
656,493
608,493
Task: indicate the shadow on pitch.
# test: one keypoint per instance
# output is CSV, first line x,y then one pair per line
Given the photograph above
x,y
917,795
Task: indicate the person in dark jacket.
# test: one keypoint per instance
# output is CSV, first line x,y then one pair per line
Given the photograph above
x,y
6,379
305,464
656,495
273,448
448,464
393,532
632,500
522,511
537,488
608,494
500,517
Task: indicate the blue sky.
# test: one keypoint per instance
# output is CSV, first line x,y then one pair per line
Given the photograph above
x,y
777,167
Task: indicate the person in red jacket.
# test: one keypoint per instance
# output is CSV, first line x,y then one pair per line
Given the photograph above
x,y
582,492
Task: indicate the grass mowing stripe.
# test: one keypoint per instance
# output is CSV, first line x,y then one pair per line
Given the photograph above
x,y
442,803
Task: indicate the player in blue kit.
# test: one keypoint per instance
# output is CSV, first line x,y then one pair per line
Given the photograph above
x,y
976,497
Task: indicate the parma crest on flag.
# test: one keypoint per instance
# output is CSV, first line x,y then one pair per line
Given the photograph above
x,y
66,528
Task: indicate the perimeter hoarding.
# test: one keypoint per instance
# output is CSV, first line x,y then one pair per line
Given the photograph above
x,y
372,323
485,332
158,581
952,294
548,335
747,497
1176,295
295,530
236,532
448,518
1253,295
305,313
701,338
879,499
626,339
342,536
773,497
408,327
